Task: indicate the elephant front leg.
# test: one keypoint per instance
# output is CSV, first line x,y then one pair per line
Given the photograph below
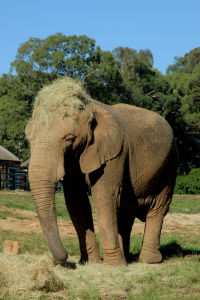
x,y
106,218
105,193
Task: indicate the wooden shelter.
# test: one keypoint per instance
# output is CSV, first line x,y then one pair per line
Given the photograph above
x,y
9,163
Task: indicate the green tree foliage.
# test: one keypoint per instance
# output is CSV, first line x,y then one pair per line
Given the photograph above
x,y
184,75
146,86
37,63
103,79
136,69
14,113
56,54
189,184
124,75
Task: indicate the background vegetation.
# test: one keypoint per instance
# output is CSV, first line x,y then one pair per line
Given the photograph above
x,y
188,184
32,274
123,75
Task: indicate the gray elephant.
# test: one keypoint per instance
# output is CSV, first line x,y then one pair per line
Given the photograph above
x,y
124,156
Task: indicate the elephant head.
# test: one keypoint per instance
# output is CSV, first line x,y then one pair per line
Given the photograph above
x,y
66,121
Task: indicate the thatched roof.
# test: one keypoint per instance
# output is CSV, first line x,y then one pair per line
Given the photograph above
x,y
6,155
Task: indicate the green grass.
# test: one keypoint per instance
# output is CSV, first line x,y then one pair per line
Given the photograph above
x,y
25,202
15,200
5,213
173,245
34,243
185,205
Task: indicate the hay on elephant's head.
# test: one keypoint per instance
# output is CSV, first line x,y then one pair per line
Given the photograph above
x,y
64,97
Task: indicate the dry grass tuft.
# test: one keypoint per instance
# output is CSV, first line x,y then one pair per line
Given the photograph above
x,y
64,97
44,278
65,93
28,276
3,285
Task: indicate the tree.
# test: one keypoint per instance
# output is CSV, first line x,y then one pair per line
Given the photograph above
x,y
39,61
124,75
147,86
57,54
185,64
184,75
103,79
14,113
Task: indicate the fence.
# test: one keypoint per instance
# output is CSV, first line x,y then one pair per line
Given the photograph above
x,y
13,179
17,179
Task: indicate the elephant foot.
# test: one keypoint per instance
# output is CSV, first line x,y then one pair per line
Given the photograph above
x,y
115,263
83,261
151,257
113,256
95,260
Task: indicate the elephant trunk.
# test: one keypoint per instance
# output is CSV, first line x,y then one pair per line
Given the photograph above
x,y
43,192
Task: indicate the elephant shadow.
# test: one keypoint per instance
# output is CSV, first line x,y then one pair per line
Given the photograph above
x,y
169,250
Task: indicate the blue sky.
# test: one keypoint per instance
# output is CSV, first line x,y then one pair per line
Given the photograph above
x,y
167,27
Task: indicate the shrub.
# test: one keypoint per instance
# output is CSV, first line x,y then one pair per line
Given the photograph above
x,y
188,184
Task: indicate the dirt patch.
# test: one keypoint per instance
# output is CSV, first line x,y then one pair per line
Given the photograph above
x,y
31,223
172,222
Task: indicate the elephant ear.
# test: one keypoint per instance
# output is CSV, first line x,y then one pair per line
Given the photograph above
x,y
104,141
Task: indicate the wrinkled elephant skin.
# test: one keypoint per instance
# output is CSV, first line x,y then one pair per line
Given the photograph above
x,y
124,156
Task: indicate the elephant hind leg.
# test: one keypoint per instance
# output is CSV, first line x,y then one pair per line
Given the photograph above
x,y
150,252
79,208
125,221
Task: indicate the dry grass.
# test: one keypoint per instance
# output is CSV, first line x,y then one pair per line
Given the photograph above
x,y
62,93
35,277
27,276
64,96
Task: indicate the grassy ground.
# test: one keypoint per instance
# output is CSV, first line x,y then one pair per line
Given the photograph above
x,y
25,202
32,274
185,205
180,204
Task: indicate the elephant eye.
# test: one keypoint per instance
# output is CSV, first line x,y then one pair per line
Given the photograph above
x,y
69,140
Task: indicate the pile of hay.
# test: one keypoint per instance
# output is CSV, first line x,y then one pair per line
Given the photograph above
x,y
28,276
62,93
33,277
64,97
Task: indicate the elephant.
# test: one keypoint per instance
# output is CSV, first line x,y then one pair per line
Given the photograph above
x,y
124,156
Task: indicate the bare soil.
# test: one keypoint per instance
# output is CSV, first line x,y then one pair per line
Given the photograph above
x,y
30,223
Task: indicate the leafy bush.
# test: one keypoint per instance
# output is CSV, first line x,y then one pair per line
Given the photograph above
x,y
188,184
